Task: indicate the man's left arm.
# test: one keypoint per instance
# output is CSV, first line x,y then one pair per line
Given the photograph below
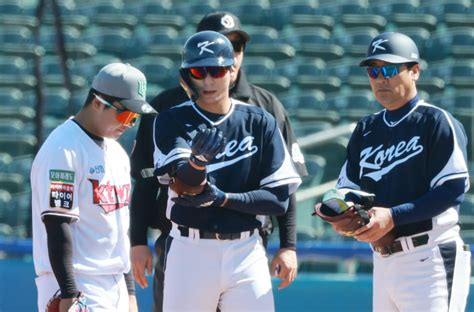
x,y
284,263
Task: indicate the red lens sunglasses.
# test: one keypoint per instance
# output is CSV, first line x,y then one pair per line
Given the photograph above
x,y
200,73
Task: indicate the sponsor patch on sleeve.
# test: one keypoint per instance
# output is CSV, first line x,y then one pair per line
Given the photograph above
x,y
61,195
61,176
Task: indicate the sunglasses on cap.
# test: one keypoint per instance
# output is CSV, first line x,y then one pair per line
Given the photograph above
x,y
125,117
200,73
387,72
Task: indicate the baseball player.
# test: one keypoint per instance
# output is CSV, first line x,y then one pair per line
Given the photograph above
x,y
227,163
412,156
80,180
144,215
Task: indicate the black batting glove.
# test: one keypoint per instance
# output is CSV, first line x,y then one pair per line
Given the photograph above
x,y
206,144
211,196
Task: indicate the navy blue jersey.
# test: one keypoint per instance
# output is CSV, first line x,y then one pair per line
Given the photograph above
x,y
402,159
255,157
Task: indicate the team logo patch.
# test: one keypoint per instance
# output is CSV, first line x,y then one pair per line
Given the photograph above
x,y
227,21
141,88
110,197
61,195
61,176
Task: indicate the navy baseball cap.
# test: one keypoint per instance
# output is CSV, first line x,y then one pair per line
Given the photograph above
x,y
224,23
392,47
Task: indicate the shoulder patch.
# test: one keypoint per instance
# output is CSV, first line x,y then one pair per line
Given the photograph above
x,y
61,176
61,195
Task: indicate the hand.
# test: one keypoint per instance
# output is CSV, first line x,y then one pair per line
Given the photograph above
x,y
206,144
67,305
210,196
142,259
74,304
381,222
132,303
285,266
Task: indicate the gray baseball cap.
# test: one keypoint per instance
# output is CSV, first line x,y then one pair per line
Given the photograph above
x,y
392,47
222,22
125,82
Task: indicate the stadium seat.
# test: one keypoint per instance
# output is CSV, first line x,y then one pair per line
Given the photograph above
x,y
20,81
310,20
299,37
455,42
12,182
251,12
56,101
387,8
154,20
262,34
13,65
259,66
458,20
78,21
281,13
16,35
116,20
355,40
427,21
301,66
313,99
309,127
275,51
364,20
17,144
9,20
115,41
157,69
10,96
443,7
274,83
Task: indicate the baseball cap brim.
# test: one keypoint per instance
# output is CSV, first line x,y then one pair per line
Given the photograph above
x,y
138,106
389,58
241,33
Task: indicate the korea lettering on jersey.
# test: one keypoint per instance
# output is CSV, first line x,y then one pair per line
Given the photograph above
x,y
413,155
254,157
91,185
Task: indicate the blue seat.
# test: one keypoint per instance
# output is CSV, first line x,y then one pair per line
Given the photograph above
x,y
158,70
10,97
259,65
115,41
387,8
301,36
16,34
355,40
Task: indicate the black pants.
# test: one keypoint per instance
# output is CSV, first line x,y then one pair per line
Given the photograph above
x,y
159,276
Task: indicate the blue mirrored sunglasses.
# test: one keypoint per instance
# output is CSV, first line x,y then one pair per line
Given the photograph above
x,y
388,71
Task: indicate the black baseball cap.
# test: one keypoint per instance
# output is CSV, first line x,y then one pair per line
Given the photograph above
x,y
224,23
392,47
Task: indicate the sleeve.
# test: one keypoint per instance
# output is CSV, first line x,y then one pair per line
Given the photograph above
x,y
171,146
57,180
349,177
279,168
287,225
447,151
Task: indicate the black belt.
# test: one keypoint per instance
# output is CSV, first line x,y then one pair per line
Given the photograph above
x,y
212,235
396,246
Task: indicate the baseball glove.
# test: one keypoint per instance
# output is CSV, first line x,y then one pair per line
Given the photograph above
x,y
79,303
181,188
345,209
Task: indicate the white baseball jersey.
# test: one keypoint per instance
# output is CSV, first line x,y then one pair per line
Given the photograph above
x,y
73,176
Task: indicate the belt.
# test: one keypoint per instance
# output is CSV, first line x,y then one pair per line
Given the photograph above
x,y
213,235
396,246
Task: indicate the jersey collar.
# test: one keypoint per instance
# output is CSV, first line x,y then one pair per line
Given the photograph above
x,y
394,117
